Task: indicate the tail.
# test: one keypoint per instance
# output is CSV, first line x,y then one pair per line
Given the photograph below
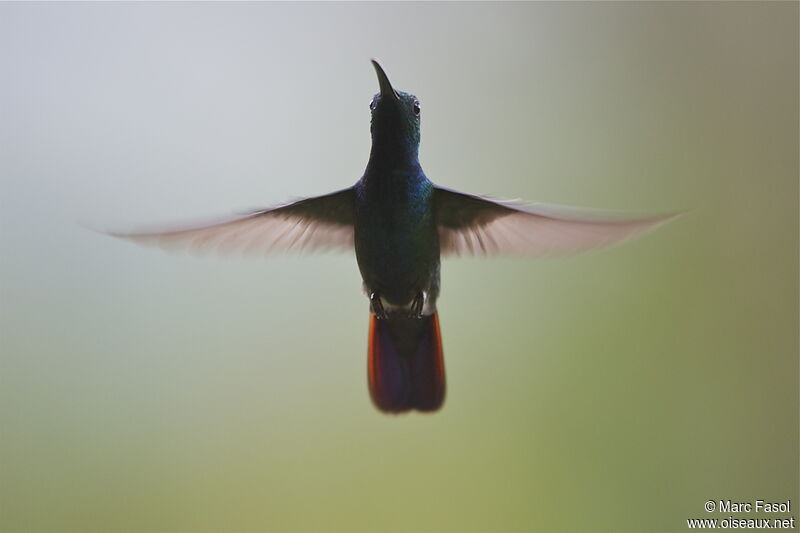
x,y
406,365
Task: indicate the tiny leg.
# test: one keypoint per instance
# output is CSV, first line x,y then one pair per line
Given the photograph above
x,y
416,305
376,306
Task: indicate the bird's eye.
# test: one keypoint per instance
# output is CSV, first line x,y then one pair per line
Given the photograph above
x,y
372,104
416,108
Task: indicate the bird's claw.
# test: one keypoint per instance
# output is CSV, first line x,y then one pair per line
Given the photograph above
x,y
415,311
377,306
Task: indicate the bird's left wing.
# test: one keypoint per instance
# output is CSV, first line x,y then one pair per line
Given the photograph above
x,y
473,225
322,222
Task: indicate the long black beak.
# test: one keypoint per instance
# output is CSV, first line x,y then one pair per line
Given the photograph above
x,y
383,80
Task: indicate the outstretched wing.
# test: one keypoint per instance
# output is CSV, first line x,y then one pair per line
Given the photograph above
x,y
322,222
473,225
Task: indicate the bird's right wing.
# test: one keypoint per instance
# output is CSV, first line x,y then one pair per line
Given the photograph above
x,y
322,222
473,225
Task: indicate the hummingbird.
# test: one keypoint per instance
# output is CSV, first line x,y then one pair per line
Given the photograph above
x,y
400,225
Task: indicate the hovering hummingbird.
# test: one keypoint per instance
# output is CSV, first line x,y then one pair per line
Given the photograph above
x,y
399,224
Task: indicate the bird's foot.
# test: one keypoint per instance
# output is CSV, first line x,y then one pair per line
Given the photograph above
x,y
376,306
415,311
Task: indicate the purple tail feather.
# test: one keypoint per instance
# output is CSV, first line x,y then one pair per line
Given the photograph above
x,y
406,364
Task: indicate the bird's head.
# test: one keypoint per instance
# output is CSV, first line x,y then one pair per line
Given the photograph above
x,y
395,116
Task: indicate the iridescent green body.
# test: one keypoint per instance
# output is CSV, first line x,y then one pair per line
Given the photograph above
x,y
396,239
396,242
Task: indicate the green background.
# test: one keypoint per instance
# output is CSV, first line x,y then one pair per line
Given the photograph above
x,y
615,391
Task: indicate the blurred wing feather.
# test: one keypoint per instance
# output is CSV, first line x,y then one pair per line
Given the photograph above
x,y
474,225
319,223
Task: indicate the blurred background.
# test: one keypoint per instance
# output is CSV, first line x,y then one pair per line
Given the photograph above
x,y
615,391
